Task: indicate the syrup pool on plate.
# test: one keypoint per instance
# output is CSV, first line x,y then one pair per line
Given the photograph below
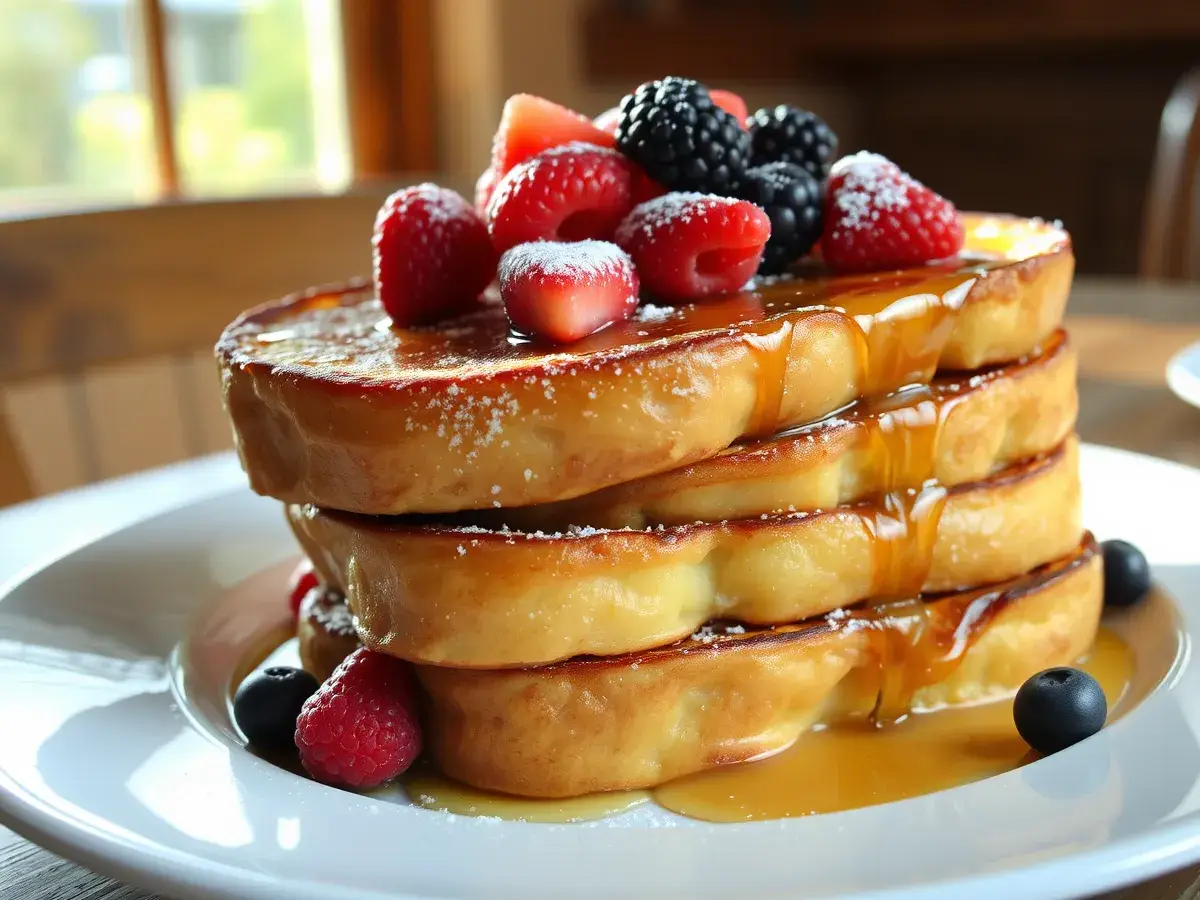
x,y
829,769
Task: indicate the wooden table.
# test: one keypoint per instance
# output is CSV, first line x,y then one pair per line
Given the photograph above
x,y
1125,332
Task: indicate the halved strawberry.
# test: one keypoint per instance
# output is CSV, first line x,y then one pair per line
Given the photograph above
x,y
607,120
485,186
566,193
564,292
731,103
531,124
689,245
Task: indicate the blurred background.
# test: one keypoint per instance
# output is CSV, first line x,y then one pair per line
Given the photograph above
x,y
166,163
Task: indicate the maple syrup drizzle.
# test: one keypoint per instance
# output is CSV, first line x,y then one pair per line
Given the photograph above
x,y
770,344
854,764
429,789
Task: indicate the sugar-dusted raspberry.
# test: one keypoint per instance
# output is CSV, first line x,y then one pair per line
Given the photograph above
x,y
570,193
433,257
879,217
689,245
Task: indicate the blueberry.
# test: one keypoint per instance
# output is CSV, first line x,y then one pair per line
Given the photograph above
x,y
268,703
1126,574
1059,707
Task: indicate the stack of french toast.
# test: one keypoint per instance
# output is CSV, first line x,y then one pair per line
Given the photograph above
x,y
682,539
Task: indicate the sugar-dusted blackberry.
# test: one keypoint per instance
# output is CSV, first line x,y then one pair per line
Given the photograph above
x,y
789,134
683,140
792,199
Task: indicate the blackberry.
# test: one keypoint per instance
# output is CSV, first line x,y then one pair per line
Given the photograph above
x,y
789,134
792,199
684,141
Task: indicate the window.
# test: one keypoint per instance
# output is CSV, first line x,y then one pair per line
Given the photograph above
x,y
256,100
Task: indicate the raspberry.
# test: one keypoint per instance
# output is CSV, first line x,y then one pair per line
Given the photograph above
x,y
879,217
563,292
792,200
529,125
691,245
684,141
433,257
789,134
303,579
570,193
731,103
360,729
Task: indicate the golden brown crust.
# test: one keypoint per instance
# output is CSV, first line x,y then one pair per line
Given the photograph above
x,y
636,720
467,596
633,722
961,429
332,406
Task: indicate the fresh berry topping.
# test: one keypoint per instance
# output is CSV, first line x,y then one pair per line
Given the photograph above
x,y
1126,574
792,199
1059,707
433,257
485,186
607,120
788,134
530,125
569,193
879,217
564,292
267,705
730,102
692,245
683,140
303,579
642,187
360,729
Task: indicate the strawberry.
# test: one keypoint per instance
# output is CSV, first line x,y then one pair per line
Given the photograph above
x,y
879,217
567,193
607,120
529,125
564,292
303,579
731,103
360,729
691,245
433,257
485,186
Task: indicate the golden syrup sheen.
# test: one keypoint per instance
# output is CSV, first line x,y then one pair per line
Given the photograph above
x,y
429,789
850,766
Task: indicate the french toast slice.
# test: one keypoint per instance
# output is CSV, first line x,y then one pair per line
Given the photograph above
x,y
460,595
729,694
333,405
959,429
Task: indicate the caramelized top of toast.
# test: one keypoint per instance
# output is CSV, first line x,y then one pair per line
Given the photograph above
x,y
342,335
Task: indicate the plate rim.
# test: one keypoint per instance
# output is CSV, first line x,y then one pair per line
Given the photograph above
x,y
1161,849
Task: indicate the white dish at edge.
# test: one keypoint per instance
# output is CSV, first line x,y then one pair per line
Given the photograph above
x,y
118,753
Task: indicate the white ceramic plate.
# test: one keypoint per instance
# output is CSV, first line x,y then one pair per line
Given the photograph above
x,y
1183,374
116,750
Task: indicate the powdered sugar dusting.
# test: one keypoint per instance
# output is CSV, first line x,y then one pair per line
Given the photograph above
x,y
711,632
438,205
670,211
871,186
581,261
